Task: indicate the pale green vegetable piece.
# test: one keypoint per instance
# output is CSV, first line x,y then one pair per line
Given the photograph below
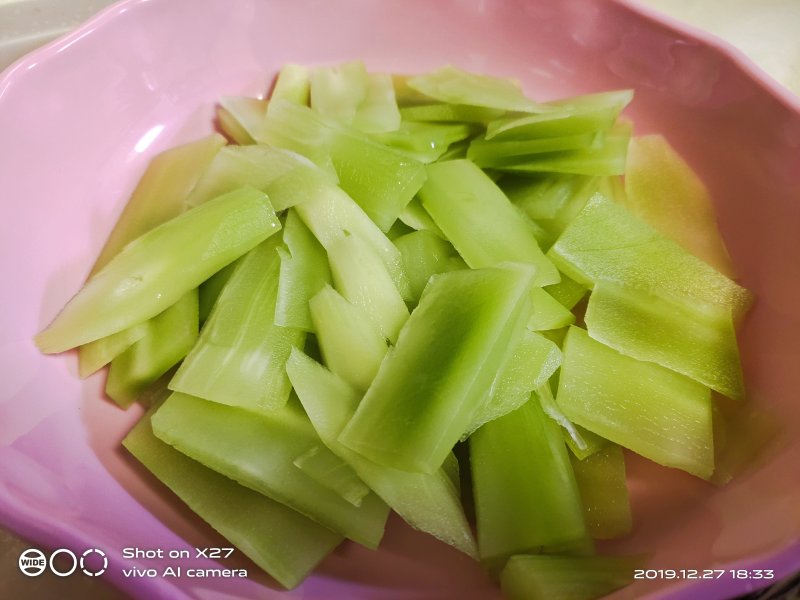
x,y
154,271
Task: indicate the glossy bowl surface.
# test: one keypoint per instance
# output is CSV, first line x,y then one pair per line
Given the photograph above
x,y
80,119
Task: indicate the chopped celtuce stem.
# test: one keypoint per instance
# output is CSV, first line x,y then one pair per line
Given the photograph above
x,y
660,414
284,543
155,270
526,497
258,451
428,502
441,369
241,355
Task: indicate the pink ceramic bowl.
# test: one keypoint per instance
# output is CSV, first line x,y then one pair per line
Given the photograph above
x,y
80,119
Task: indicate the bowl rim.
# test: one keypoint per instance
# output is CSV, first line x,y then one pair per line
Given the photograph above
x,y
784,562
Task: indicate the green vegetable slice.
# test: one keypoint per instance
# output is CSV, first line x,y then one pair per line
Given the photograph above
x,y
695,340
159,196
480,221
258,451
292,85
258,166
426,254
425,142
97,354
581,114
428,502
530,577
304,272
534,360
605,156
283,542
491,153
330,471
452,85
338,90
449,113
436,377
567,291
662,189
241,117
605,242
330,213
548,313
168,338
380,179
526,497
155,270
351,344
378,113
644,407
360,275
241,355
604,492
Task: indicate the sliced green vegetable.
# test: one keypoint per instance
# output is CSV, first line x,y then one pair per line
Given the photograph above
x,y
380,179
530,577
168,338
606,156
160,193
441,369
607,243
361,277
155,270
452,85
450,113
328,212
428,502
378,113
351,344
425,142
211,288
158,197
552,201
580,441
490,153
415,216
581,114
662,189
480,221
257,166
241,117
425,254
330,471
283,542
97,354
644,407
604,493
548,313
695,340
241,355
338,90
292,85
526,497
567,291
304,271
534,360
258,451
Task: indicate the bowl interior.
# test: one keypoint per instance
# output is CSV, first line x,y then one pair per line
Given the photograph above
x,y
86,114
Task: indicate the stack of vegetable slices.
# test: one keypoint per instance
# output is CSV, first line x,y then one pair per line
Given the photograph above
x,y
382,267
